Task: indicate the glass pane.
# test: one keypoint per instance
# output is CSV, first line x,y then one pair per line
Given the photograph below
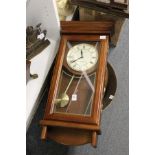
x,y
77,82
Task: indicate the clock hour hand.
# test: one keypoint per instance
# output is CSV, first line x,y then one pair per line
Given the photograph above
x,y
81,53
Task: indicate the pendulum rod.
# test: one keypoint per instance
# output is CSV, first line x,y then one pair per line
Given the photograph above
x,y
69,84
74,92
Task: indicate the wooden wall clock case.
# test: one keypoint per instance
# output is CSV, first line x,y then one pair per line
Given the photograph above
x,y
68,120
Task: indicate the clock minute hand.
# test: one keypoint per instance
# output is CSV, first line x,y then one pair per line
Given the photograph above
x,y
76,59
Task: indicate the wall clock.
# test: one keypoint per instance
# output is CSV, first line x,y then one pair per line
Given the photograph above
x,y
73,110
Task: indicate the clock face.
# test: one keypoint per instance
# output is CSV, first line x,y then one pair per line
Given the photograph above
x,y
82,57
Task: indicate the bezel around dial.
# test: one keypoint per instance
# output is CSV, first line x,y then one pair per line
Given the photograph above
x,y
78,72
82,57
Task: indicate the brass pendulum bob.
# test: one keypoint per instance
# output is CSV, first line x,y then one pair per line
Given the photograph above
x,y
64,99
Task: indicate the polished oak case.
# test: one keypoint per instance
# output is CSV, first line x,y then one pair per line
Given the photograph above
x,y
75,97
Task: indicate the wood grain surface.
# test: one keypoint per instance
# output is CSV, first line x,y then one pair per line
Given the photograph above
x,y
87,27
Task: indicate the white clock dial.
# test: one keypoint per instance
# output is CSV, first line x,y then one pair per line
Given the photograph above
x,y
82,57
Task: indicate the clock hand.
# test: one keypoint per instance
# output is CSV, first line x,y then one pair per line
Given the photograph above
x,y
81,53
76,59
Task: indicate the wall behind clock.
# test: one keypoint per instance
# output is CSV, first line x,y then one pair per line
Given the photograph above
x,y
45,12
